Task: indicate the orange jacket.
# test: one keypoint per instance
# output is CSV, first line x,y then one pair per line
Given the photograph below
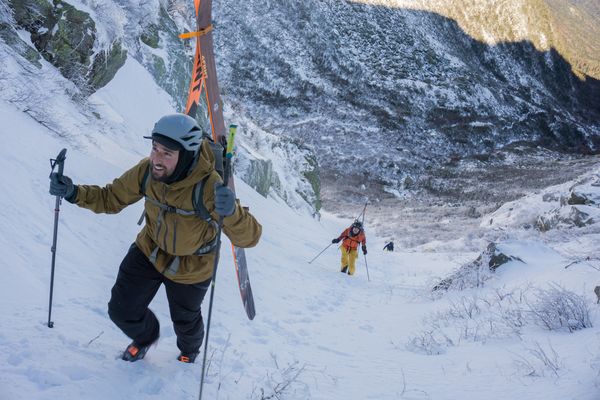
x,y
351,242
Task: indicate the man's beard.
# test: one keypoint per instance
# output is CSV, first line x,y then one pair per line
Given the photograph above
x,y
163,177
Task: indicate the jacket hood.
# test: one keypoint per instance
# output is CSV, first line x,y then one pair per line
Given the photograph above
x,y
201,167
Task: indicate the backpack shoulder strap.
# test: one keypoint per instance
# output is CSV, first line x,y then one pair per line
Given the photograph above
x,y
143,186
218,151
198,200
144,182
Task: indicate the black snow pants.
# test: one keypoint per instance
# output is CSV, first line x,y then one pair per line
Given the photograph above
x,y
136,285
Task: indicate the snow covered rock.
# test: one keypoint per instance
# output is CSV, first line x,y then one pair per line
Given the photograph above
x,y
571,205
475,273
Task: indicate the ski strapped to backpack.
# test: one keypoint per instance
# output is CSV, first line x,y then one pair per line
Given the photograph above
x,y
204,104
197,200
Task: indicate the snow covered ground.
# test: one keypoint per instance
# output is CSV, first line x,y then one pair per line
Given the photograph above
x,y
318,334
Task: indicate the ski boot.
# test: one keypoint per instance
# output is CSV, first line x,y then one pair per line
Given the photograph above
x,y
135,352
188,358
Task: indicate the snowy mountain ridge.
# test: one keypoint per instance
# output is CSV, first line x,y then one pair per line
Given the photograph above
x,y
414,103
381,99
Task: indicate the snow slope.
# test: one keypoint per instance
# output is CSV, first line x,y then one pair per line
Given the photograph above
x,y
318,334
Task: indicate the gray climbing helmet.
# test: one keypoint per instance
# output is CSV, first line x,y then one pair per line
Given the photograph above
x,y
180,129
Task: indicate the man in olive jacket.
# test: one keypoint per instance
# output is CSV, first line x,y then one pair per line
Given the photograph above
x,y
176,247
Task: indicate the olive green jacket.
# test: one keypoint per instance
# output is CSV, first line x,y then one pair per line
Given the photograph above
x,y
166,235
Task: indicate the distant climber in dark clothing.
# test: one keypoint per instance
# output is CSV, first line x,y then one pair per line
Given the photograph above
x,y
389,246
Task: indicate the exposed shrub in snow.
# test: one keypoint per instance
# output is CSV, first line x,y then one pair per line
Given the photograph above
x,y
537,360
425,342
557,308
472,319
501,314
281,382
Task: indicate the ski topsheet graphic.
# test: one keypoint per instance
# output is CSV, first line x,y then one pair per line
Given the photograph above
x,y
205,105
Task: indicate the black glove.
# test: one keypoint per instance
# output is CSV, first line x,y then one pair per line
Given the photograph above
x,y
61,185
336,240
364,249
224,200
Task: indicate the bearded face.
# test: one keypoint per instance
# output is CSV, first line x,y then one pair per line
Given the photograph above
x,y
163,161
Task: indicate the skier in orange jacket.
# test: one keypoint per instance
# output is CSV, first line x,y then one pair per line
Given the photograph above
x,y
352,237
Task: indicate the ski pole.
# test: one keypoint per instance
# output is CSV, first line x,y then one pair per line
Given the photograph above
x,y
362,213
226,173
367,267
60,161
320,253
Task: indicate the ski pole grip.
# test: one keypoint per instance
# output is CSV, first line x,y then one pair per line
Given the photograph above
x,y
60,160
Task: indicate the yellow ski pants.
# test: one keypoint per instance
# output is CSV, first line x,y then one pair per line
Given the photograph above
x,y
349,260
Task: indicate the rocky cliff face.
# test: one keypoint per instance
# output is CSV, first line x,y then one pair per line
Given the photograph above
x,y
407,85
66,37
